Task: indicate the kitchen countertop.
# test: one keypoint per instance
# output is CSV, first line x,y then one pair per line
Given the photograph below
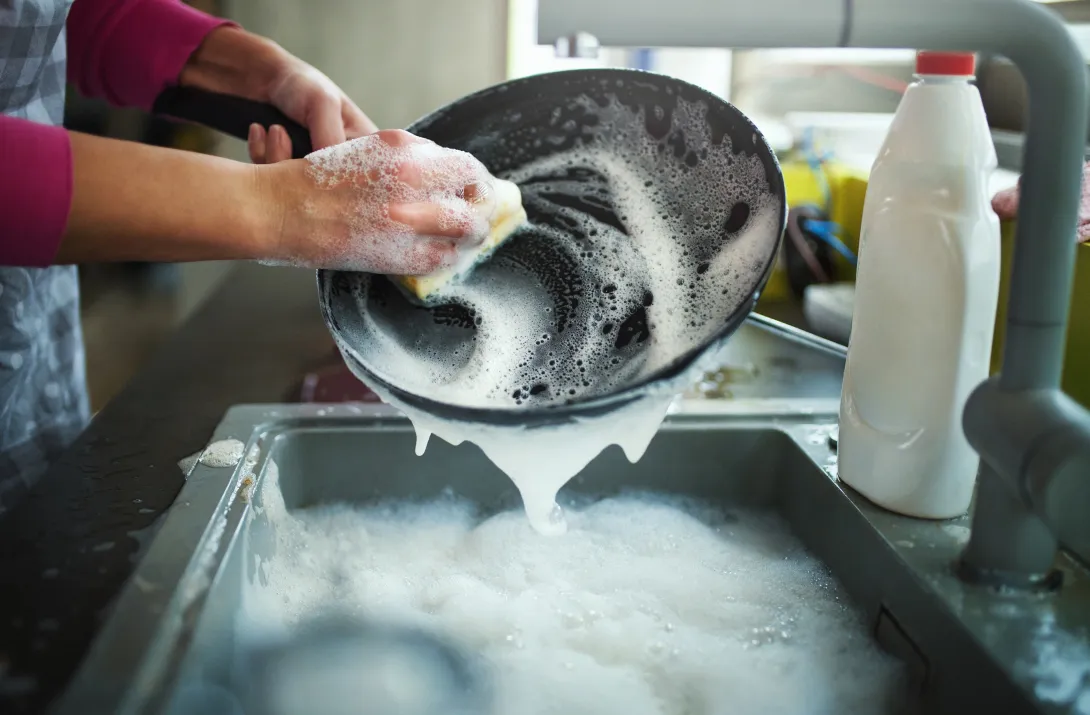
x,y
73,541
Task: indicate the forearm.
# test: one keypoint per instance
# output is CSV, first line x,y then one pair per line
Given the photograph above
x,y
132,202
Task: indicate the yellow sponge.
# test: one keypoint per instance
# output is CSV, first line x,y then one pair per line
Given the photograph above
x,y
506,216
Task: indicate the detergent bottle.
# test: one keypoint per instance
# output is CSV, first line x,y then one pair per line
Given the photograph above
x,y
927,289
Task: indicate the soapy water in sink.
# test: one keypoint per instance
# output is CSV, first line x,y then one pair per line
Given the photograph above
x,y
646,238
647,605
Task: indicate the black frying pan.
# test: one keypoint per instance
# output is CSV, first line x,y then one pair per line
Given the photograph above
x,y
721,211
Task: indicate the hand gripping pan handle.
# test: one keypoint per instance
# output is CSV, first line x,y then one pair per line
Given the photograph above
x,y
229,114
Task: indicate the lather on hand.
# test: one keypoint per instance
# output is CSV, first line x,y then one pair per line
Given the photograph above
x,y
389,202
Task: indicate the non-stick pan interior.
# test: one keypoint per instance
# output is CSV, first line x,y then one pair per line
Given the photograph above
x,y
655,214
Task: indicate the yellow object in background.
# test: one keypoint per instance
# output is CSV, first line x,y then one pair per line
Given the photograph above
x,y
847,189
1076,375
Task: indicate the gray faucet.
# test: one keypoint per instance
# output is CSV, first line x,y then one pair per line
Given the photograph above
x,y
1034,485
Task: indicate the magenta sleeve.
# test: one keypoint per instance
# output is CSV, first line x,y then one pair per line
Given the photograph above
x,y
35,191
124,51
128,51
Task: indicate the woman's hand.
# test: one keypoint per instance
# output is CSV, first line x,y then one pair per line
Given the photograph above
x,y
233,61
382,202
389,202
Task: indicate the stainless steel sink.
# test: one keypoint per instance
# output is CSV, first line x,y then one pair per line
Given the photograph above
x,y
966,649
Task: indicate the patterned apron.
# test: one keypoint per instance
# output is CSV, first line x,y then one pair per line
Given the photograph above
x,y
43,384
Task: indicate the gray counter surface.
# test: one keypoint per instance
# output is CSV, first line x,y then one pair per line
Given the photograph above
x,y
69,545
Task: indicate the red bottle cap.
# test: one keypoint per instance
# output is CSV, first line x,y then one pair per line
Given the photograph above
x,y
959,64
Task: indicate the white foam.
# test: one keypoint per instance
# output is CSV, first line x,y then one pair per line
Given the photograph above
x,y
225,453
360,180
187,463
645,606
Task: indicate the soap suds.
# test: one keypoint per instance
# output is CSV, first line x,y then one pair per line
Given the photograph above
x,y
638,250
186,464
1058,663
225,453
647,605
385,178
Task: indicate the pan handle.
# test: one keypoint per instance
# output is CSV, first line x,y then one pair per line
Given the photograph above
x,y
229,114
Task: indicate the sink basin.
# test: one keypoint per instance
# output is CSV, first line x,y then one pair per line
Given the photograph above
x,y
965,649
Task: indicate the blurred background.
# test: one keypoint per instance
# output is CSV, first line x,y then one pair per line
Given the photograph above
x,y
824,111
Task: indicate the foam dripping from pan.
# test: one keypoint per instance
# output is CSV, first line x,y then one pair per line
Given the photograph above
x,y
541,461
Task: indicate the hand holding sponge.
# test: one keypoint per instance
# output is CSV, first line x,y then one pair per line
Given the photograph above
x,y
501,207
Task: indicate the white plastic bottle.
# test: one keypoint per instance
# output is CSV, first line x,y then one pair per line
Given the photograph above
x,y
927,286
